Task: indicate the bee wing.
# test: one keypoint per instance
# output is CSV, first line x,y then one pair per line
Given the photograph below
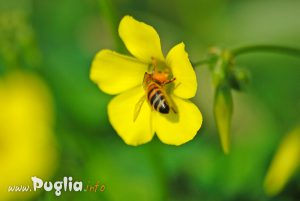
x,y
138,107
173,106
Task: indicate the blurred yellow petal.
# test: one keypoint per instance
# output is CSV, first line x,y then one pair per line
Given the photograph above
x,y
141,39
121,112
186,82
115,73
26,133
285,163
176,129
223,108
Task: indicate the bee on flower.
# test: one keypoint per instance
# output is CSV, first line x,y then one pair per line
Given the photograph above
x,y
152,90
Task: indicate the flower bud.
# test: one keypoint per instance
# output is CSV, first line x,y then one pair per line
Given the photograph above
x,y
223,108
238,78
284,164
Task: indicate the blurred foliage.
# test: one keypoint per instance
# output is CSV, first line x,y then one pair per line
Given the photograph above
x,y
59,42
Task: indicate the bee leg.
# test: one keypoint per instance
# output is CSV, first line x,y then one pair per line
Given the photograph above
x,y
169,81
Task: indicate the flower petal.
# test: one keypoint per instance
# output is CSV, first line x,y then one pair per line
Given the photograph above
x,y
285,163
141,39
115,73
186,82
179,128
121,111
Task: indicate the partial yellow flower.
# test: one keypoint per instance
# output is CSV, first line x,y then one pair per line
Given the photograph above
x,y
123,76
285,163
27,144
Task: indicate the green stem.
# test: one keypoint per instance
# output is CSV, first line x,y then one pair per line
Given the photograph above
x,y
253,49
266,48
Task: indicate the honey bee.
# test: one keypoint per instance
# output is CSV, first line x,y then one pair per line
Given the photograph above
x,y
154,84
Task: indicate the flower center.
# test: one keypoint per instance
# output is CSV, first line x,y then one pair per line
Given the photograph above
x,y
161,74
160,70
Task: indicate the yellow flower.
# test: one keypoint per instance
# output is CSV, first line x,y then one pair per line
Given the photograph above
x,y
27,144
284,164
119,74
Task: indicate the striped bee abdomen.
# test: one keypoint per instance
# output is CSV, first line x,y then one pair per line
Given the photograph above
x,y
157,98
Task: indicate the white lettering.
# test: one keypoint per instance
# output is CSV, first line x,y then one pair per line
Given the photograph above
x,y
58,187
37,183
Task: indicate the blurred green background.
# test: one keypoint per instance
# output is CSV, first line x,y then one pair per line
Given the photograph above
x,y
61,39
